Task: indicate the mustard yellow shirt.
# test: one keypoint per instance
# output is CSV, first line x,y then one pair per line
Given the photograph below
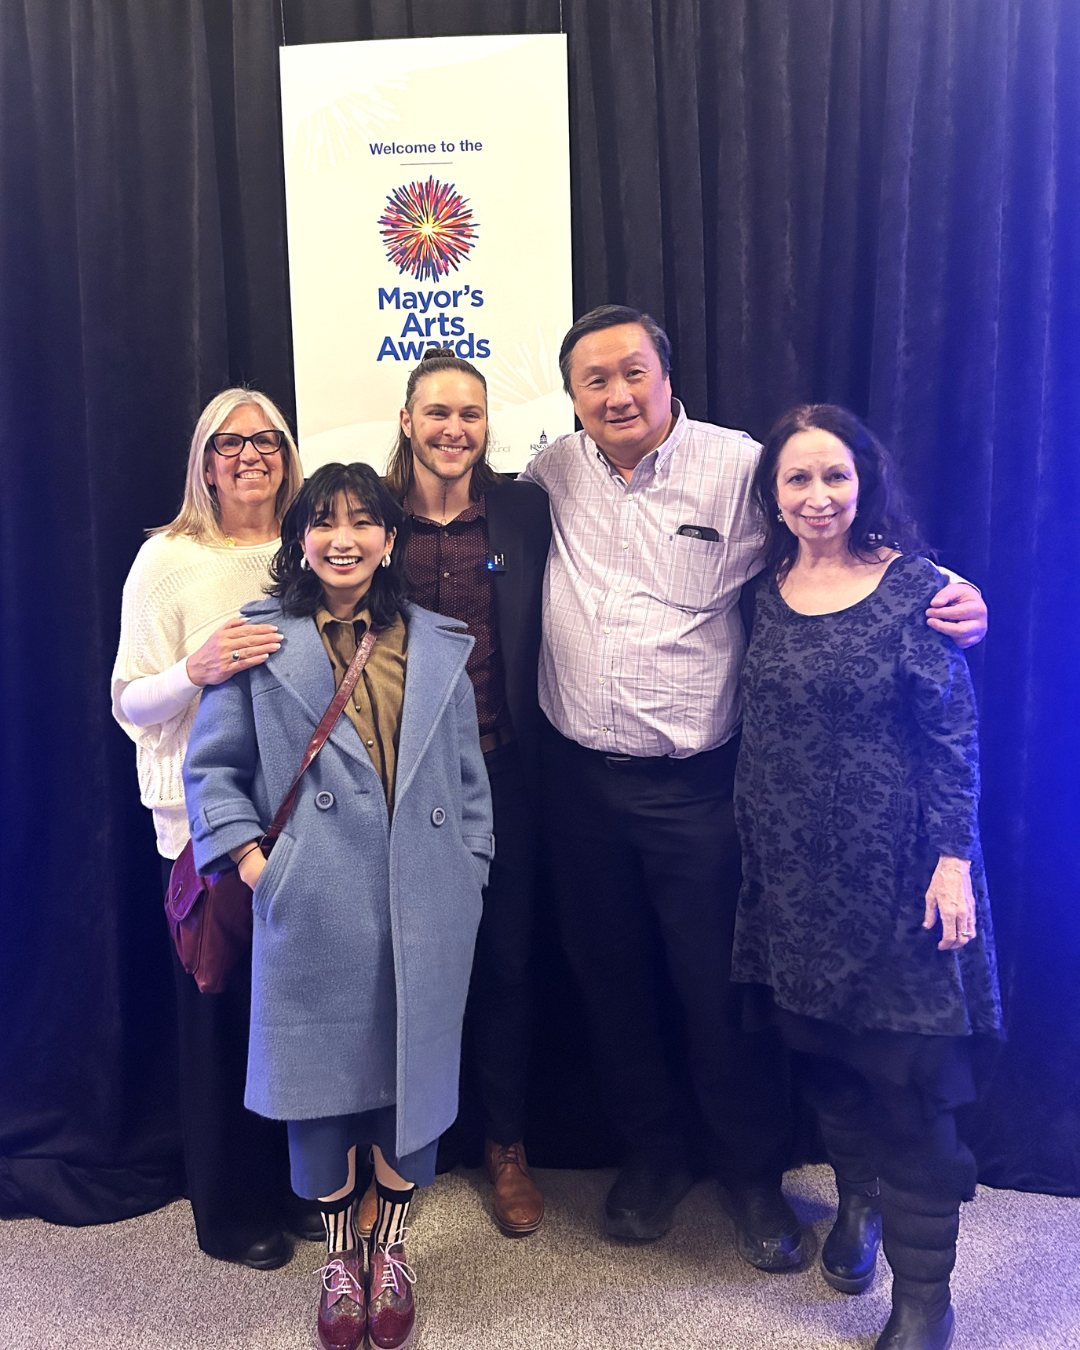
x,y
374,708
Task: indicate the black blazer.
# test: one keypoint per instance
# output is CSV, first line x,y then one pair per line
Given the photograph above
x,y
519,532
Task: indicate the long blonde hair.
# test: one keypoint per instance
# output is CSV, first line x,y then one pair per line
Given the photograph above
x,y
200,516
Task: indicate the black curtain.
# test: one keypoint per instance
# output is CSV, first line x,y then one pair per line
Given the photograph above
x,y
869,201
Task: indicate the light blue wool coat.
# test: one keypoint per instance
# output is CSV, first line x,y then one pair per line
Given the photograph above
x,y
364,931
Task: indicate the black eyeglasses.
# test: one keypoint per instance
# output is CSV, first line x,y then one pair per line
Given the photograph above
x,y
228,444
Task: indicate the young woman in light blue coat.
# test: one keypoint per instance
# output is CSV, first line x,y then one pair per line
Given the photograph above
x,y
366,911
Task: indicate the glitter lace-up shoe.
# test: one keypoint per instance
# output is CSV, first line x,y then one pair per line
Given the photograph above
x,y
342,1312
391,1307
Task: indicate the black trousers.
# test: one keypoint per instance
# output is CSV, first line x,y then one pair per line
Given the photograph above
x,y
646,862
498,1016
237,1162
886,1105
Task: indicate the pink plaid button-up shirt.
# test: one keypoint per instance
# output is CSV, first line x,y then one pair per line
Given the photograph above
x,y
643,640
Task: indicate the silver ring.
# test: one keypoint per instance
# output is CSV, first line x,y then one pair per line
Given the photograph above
x,y
236,656
964,933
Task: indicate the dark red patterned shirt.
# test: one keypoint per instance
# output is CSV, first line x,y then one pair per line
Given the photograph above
x,y
447,565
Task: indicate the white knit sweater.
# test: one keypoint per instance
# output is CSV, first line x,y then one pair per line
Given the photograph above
x,y
177,593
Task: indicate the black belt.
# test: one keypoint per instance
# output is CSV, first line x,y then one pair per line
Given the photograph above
x,y
615,760
649,763
493,740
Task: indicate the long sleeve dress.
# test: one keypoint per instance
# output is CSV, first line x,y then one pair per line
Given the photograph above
x,y
858,767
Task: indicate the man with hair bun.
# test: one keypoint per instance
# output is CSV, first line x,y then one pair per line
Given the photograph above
x,y
476,552
654,535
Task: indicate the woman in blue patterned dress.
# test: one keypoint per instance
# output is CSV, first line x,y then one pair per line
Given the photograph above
x,y
864,927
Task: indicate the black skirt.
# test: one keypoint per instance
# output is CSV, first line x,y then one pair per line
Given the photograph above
x,y
938,1065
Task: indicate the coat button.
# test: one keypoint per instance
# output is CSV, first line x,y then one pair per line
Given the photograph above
x,y
324,800
438,816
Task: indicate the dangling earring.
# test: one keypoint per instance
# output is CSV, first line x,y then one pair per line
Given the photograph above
x,y
780,517
305,566
386,560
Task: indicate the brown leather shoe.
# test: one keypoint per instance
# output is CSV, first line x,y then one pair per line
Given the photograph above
x,y
519,1206
368,1211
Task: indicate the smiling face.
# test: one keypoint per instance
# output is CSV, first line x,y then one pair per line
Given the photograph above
x,y
620,392
446,424
343,547
817,487
249,480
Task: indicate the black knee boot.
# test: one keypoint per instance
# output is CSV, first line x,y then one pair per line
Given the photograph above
x,y
920,1208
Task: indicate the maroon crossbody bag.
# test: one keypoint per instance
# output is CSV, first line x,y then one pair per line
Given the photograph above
x,y
210,917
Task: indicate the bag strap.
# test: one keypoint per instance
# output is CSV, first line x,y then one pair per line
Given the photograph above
x,y
322,731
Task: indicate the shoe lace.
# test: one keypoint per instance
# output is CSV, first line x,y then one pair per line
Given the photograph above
x,y
338,1279
395,1266
509,1154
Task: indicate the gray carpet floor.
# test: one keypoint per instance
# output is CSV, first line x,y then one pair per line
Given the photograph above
x,y
144,1285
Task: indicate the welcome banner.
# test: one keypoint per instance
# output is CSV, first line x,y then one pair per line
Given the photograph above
x,y
428,196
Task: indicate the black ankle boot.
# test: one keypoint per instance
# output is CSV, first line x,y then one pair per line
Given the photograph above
x,y
849,1256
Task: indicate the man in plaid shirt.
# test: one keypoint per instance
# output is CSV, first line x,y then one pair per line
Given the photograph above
x,y
654,535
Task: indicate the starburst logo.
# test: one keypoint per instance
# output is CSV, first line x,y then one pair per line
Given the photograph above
x,y
427,229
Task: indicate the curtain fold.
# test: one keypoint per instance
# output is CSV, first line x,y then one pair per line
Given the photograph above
x,y
869,201
110,332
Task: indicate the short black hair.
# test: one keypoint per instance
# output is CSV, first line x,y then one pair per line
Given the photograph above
x,y
611,316
882,519
296,586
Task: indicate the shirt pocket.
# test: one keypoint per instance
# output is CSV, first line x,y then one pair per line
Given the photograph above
x,y
690,571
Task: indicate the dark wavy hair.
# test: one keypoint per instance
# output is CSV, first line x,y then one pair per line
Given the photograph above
x,y
299,588
882,518
399,470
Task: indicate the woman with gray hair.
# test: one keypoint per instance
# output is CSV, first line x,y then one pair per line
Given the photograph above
x,y
181,630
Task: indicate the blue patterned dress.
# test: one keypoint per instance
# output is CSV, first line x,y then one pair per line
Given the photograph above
x,y
859,766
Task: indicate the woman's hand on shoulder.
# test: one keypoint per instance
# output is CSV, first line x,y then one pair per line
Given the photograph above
x,y
959,611
236,645
950,898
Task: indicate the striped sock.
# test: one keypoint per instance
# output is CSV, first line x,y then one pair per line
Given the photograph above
x,y
337,1220
393,1215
